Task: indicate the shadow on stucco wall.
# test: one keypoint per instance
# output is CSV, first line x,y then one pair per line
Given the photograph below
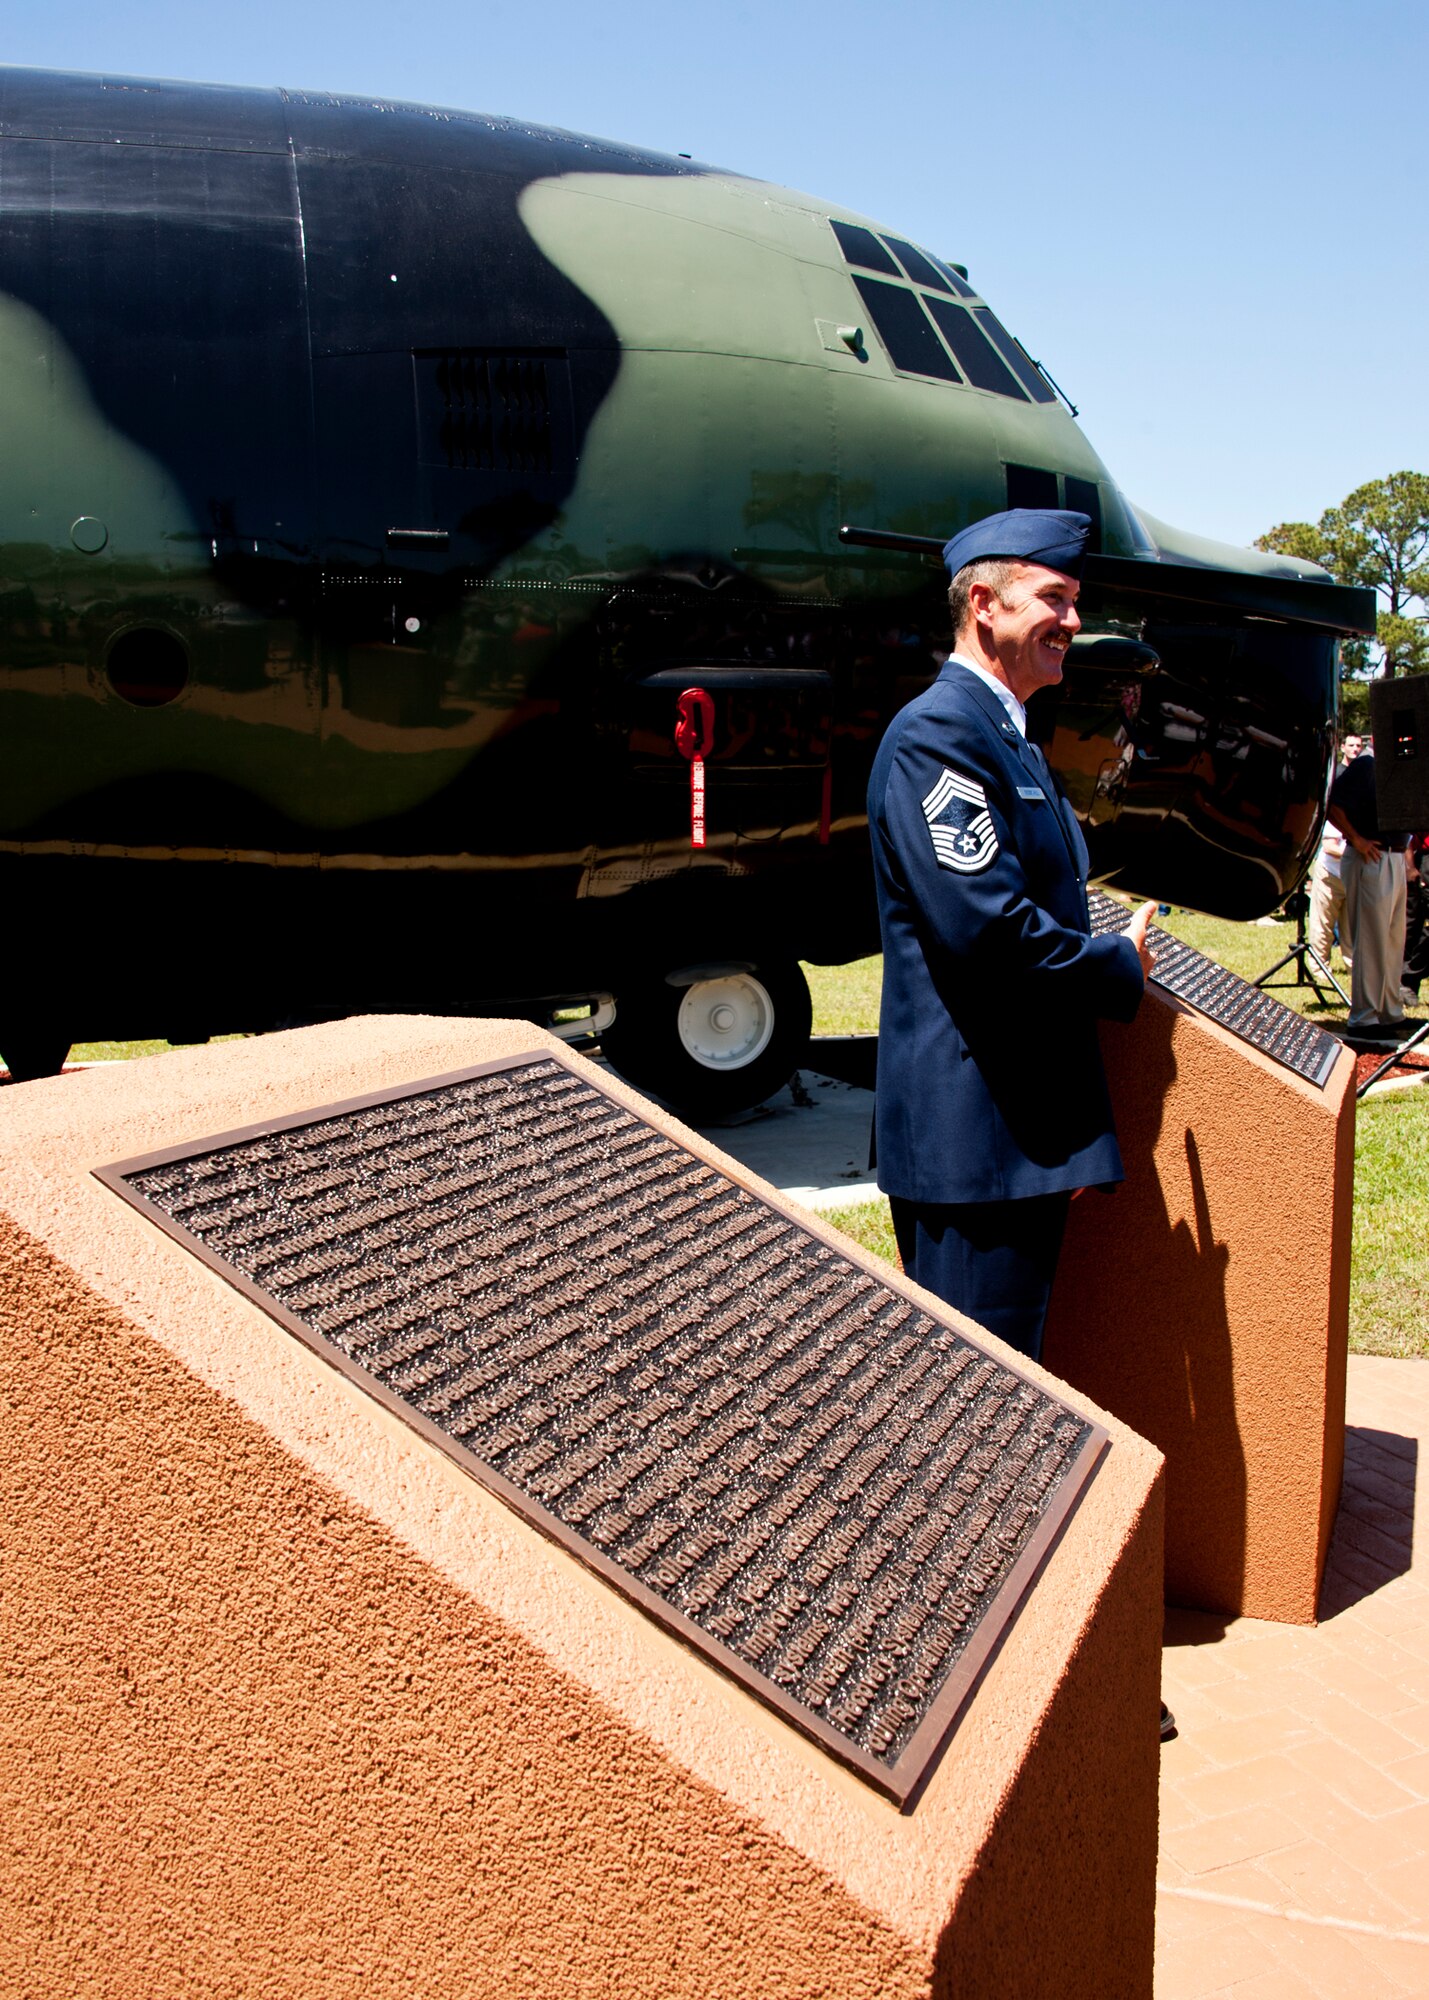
x,y
1139,1318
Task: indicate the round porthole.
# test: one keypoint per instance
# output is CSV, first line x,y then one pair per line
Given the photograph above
x,y
89,534
147,667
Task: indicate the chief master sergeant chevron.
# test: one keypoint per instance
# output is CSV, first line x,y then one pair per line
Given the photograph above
x,y
991,1103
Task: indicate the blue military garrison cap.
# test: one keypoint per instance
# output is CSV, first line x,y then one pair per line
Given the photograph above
x,y
1053,536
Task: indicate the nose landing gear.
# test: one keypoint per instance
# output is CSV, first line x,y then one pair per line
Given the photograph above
x,y
712,1040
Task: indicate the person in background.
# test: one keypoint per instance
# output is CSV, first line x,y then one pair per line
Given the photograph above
x,y
1327,888
1416,918
1373,871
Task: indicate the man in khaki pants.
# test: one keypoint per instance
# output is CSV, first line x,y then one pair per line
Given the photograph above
x,y
1327,888
1374,878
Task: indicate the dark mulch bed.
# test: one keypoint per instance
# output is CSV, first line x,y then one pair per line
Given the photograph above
x,y
1416,1063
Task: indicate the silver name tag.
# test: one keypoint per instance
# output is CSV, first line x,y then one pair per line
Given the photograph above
x,y
1030,792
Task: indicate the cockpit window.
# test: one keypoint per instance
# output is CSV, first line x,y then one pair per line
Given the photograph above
x,y
979,360
956,283
912,344
862,247
1084,496
922,270
985,352
1032,486
1016,357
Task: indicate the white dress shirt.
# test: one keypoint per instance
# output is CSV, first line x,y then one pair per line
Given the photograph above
x,y
1004,693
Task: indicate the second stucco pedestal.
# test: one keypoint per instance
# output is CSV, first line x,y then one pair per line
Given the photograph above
x,y
1206,1302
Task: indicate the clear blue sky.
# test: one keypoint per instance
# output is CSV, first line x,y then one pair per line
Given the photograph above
x,y
1209,221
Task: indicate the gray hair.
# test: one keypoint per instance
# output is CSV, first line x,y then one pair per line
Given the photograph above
x,y
996,572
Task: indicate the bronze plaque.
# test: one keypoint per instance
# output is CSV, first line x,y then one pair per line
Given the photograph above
x,y
1249,1012
832,1494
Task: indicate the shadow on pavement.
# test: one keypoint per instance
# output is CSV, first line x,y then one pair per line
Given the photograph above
x,y
1373,1540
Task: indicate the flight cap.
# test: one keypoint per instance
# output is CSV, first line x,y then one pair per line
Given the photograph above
x,y
1056,537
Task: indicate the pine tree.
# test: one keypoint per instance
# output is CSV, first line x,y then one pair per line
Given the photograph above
x,y
1378,535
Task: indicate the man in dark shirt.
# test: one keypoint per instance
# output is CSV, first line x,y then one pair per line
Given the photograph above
x,y
1374,879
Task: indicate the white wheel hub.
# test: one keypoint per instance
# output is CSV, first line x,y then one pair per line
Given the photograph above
x,y
726,1023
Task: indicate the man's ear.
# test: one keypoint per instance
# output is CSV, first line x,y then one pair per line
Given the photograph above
x,y
981,598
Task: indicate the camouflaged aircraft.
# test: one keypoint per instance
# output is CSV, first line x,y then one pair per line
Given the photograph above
x,y
453,565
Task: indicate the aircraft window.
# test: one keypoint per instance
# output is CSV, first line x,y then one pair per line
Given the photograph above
x,y
1083,494
912,344
922,270
956,284
979,360
1016,357
147,667
862,247
1032,486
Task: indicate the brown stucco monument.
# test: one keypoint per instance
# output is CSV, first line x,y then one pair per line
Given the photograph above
x,y
1206,1300
295,1706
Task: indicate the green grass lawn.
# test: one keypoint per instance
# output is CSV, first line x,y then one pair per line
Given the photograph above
x,y
89,1052
845,996
1389,1266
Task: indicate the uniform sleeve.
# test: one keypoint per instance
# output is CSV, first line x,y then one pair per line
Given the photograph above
x,y
951,828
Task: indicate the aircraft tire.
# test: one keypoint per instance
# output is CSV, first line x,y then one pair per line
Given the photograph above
x,y
32,1053
717,1047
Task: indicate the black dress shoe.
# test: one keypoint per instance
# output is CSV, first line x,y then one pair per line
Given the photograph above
x,y
1168,1724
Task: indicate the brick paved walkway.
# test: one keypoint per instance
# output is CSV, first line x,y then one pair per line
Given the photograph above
x,y
1295,1802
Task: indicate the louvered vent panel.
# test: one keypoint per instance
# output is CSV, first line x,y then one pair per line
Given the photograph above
x,y
493,412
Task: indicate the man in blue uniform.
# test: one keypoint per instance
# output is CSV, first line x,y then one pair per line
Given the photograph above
x,y
992,1105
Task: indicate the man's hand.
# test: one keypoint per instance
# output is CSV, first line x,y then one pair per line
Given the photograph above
x,y
1367,850
1136,930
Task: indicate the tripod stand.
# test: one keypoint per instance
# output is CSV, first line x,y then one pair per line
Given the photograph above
x,y
1306,959
1396,1057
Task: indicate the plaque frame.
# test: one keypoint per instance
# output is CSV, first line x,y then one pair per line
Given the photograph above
x,y
901,1781
1314,1064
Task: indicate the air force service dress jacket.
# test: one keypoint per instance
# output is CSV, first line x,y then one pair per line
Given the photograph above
x,y
990,1081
